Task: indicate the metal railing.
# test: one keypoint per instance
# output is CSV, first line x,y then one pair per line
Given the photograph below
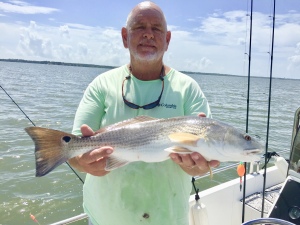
x,y
72,219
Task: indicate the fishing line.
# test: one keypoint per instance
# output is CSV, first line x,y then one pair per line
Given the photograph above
x,y
248,102
245,49
35,126
16,105
269,107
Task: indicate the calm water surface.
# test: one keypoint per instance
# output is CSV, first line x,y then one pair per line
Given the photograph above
x,y
50,94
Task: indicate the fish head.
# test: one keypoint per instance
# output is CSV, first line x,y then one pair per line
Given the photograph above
x,y
240,146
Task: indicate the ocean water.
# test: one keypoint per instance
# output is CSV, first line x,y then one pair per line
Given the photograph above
x,y
50,94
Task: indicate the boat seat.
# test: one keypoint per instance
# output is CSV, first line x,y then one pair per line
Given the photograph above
x,y
255,200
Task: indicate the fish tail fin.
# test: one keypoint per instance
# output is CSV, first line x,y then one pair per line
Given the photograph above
x,y
49,148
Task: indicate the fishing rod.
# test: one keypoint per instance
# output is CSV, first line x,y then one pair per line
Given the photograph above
x,y
247,112
35,126
269,107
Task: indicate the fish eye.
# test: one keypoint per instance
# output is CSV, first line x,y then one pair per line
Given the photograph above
x,y
66,139
247,137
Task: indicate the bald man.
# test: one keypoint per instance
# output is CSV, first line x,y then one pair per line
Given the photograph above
x,y
139,193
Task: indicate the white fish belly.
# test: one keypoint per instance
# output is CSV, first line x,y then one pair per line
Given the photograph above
x,y
153,152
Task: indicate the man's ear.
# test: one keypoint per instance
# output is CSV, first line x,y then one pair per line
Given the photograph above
x,y
168,39
124,36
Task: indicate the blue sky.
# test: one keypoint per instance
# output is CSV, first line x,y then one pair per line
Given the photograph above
x,y
207,36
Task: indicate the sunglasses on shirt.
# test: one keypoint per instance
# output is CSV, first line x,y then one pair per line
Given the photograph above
x,y
147,106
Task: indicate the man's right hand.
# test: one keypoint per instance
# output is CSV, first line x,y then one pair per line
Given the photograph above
x,y
92,162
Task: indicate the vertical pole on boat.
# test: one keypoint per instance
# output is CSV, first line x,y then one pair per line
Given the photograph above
x,y
247,116
249,67
269,109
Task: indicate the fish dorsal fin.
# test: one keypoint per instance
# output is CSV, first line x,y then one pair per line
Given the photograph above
x,y
123,123
185,138
114,163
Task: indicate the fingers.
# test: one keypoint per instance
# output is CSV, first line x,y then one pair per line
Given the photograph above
x,y
94,162
202,164
194,163
96,155
86,130
176,158
184,159
214,163
202,114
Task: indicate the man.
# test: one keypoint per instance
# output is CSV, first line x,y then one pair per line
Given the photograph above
x,y
139,193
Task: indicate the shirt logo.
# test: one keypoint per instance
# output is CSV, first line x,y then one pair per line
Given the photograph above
x,y
168,106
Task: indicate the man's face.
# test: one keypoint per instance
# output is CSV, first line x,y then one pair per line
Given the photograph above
x,y
146,35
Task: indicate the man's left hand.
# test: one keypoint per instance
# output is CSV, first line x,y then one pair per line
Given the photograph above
x,y
194,164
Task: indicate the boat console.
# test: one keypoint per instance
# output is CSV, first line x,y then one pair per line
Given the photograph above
x,y
287,206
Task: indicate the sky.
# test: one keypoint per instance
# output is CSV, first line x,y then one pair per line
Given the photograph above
x,y
210,36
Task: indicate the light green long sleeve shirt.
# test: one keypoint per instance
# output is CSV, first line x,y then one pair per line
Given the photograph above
x,y
138,193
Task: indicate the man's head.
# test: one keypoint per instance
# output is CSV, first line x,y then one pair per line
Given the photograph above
x,y
146,34
145,5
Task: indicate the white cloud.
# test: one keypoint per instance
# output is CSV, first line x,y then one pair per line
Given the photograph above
x,y
15,2
65,52
31,43
79,26
83,49
198,65
223,38
64,31
24,8
92,45
294,62
217,45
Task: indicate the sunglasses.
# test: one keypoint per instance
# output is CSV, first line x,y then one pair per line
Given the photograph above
x,y
147,106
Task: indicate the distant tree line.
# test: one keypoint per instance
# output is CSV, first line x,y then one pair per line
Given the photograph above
x,y
56,63
93,65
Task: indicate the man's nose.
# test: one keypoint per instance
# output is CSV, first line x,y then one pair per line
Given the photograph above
x,y
148,33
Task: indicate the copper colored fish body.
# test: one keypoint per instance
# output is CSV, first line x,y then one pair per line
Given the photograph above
x,y
146,139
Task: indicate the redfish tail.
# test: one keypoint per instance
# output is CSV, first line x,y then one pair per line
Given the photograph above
x,y
49,148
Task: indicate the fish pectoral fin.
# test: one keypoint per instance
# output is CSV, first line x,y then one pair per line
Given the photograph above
x,y
114,163
185,138
178,150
